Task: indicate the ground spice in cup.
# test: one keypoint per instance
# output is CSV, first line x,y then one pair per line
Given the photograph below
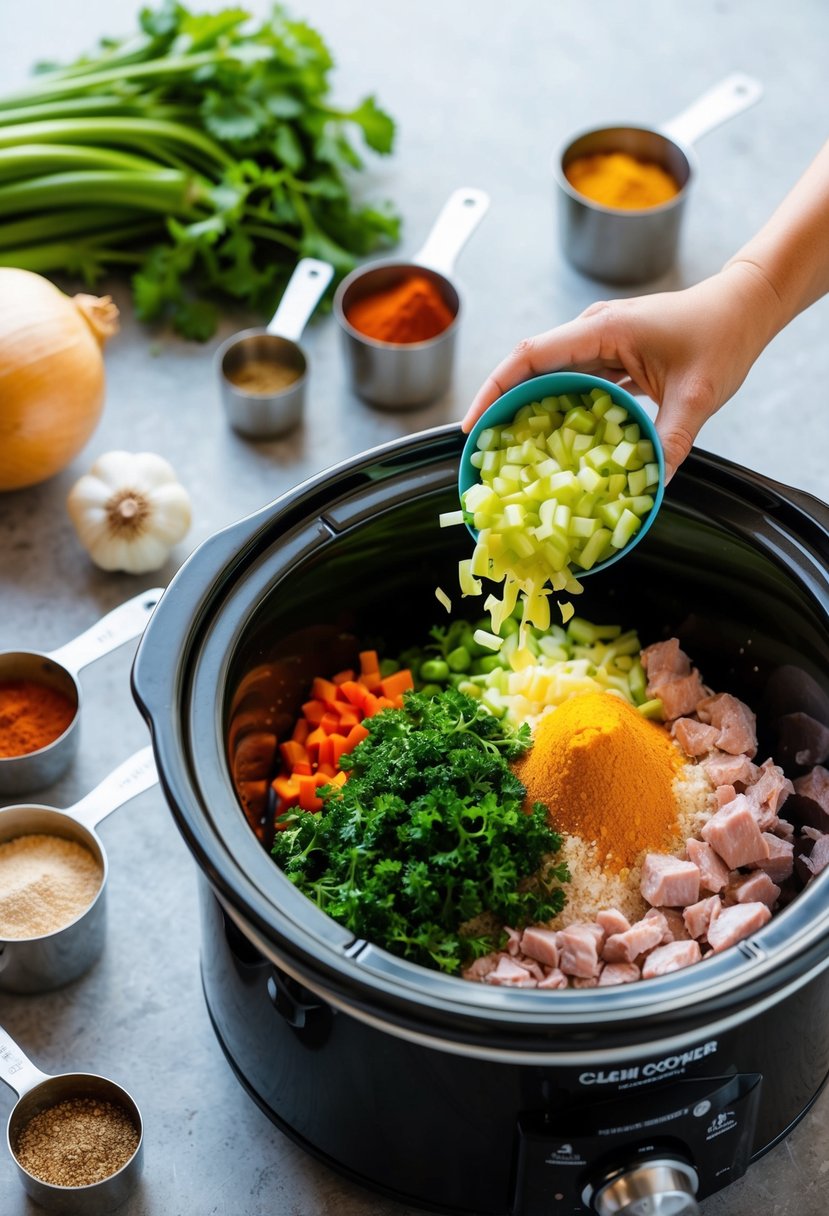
x,y
45,883
261,377
77,1142
616,179
607,776
32,716
411,311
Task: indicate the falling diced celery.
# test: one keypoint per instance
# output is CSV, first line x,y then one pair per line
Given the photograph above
x,y
480,498
443,598
466,571
490,640
566,611
479,563
626,527
448,519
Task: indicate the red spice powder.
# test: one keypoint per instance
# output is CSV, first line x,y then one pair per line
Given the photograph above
x,y
411,311
32,715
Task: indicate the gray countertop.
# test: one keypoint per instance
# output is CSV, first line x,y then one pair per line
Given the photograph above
x,y
483,92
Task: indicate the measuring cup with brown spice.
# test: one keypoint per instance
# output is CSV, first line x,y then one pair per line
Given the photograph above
x,y
40,697
75,1138
53,872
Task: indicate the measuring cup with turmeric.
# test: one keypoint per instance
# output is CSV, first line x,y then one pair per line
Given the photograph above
x,y
629,245
40,697
53,874
51,1113
399,320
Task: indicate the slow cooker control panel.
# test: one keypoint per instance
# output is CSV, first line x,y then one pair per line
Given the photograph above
x,y
641,1154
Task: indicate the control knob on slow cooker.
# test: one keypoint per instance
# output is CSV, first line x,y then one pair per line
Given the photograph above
x,y
662,1187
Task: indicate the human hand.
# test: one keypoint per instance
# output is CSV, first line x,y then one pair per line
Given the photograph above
x,y
689,351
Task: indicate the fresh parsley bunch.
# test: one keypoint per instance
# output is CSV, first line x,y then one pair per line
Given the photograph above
x,y
428,833
203,153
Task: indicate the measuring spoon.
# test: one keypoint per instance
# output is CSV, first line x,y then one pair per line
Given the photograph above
x,y
38,964
58,669
271,353
37,1091
401,375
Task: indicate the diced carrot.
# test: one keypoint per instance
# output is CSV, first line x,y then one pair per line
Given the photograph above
x,y
302,730
342,677
286,789
326,771
348,718
326,751
292,752
370,705
394,685
369,661
313,711
302,768
330,722
339,778
308,799
339,746
372,680
354,692
355,736
312,743
384,703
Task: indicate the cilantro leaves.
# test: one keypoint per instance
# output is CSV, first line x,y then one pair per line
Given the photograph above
x,y
428,834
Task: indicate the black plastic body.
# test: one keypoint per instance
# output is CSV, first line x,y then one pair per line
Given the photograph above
x,y
448,1094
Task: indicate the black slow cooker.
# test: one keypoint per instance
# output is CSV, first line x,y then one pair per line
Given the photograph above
x,y
442,1093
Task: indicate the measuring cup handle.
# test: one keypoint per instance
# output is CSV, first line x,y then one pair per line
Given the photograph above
x,y
300,298
731,96
129,780
121,625
16,1069
462,213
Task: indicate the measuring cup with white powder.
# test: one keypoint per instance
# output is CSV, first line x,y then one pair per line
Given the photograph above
x,y
53,871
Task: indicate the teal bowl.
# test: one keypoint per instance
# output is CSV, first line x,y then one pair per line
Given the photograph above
x,y
553,385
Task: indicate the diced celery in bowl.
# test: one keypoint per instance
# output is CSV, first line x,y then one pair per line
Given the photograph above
x,y
558,479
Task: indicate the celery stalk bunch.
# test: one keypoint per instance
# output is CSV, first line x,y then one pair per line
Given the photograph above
x,y
203,153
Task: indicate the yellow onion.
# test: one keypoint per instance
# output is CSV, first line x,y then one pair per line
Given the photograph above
x,y
51,375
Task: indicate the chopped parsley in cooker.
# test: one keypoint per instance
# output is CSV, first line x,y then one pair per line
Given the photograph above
x,y
428,835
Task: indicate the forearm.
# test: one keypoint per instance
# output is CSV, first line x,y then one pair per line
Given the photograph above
x,y
789,256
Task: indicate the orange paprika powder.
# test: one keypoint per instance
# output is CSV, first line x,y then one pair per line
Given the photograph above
x,y
411,311
32,716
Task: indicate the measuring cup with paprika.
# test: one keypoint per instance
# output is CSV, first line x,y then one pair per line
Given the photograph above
x,y
399,320
40,697
77,1139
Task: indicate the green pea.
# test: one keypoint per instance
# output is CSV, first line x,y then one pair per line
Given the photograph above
x,y
459,659
490,662
431,690
509,626
388,667
434,671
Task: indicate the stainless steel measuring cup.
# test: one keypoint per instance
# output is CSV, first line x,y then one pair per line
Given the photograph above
x,y
266,353
58,669
38,964
38,1091
629,246
398,375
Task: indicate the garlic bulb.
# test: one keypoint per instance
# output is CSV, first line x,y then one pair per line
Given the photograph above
x,y
129,510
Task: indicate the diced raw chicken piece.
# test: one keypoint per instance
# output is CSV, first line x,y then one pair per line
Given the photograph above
x,y
672,957
753,888
513,945
768,793
783,830
585,982
481,967
780,861
540,944
619,973
801,739
695,738
509,974
735,923
529,964
679,695
554,979
665,659
676,925
660,915
736,723
818,859
713,872
700,915
724,794
812,803
611,920
669,881
733,833
578,951
723,769
639,939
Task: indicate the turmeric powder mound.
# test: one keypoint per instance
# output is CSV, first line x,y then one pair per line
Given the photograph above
x,y
606,774
616,179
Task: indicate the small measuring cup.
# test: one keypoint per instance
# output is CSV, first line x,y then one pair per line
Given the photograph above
x,y
58,669
399,375
38,964
264,415
37,1091
630,246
